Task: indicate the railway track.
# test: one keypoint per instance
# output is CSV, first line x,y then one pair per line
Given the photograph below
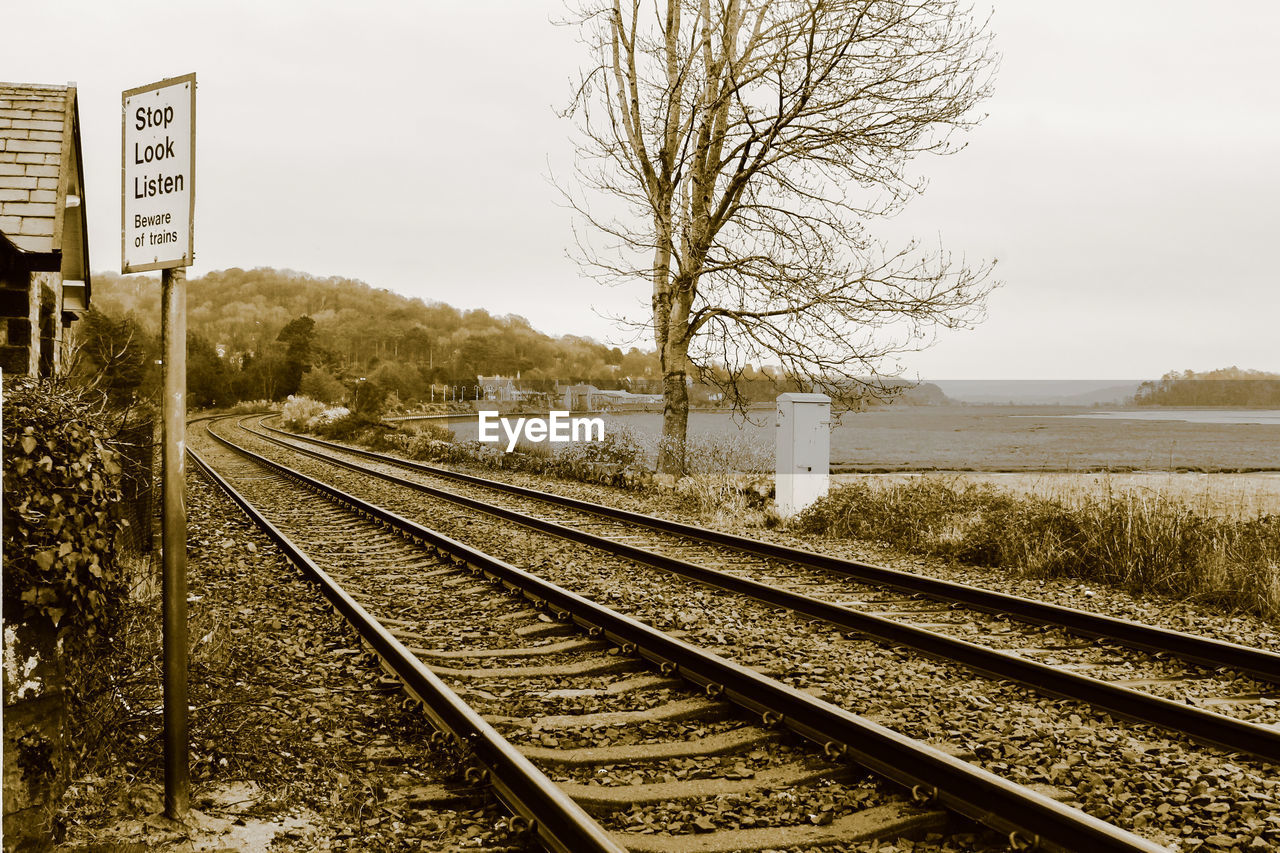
x,y
1234,704
1211,652
735,757
852,649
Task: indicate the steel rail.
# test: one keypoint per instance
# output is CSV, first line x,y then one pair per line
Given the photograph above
x,y
559,822
1206,726
1259,663
1030,818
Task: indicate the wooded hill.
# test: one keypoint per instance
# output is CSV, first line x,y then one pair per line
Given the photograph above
x,y
266,333
1228,386
358,327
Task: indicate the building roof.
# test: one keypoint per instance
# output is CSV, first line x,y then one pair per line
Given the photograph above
x,y
41,179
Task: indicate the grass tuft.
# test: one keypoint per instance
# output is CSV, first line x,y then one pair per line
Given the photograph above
x,y
1140,541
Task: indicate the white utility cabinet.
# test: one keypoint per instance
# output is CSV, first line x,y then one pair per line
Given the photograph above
x,y
804,450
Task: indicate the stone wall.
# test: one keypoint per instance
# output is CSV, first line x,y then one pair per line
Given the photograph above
x,y
15,321
21,305
35,756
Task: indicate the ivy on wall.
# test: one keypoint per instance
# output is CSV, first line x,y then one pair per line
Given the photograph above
x,y
61,507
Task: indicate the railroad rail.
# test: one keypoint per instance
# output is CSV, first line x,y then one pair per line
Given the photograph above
x,y
931,773
1200,724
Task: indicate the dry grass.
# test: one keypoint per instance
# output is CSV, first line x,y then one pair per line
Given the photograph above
x,y
727,481
1226,496
1188,543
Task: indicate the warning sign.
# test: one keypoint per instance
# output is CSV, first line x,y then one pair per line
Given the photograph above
x,y
159,175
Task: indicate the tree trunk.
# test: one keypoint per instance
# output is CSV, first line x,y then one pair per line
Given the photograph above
x,y
675,424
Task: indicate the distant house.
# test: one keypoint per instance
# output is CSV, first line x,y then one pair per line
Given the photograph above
x,y
625,400
44,244
589,398
499,388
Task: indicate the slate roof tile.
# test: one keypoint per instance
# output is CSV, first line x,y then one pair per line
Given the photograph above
x,y
33,126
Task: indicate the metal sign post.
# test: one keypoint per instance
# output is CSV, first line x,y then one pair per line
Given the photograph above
x,y
173,536
157,207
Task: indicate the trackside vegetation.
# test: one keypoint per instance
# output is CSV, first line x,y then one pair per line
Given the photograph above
x,y
64,587
62,517
1141,542
614,461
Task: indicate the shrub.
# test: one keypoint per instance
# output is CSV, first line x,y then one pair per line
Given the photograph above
x,y
430,429
62,514
729,478
424,441
250,407
616,461
299,412
341,425
309,415
328,416
725,454
616,448
368,397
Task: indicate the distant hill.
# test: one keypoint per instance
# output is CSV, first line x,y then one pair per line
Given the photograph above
x,y
924,394
403,342
907,393
1228,386
358,326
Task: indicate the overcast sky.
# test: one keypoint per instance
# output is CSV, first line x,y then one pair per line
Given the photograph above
x,y
1126,177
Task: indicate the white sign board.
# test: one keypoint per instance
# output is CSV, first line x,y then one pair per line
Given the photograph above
x,y
159,173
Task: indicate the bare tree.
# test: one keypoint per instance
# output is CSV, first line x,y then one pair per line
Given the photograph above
x,y
750,144
110,355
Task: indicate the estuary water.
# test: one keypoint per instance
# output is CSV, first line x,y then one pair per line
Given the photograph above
x,y
1192,416
989,438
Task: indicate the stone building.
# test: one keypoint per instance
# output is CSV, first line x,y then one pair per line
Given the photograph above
x,y
500,388
44,242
